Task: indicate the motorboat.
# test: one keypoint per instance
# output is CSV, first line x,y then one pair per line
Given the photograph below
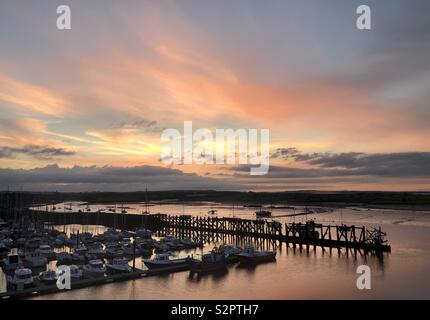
x,y
118,265
95,268
58,243
65,259
46,251
35,260
162,260
211,262
230,252
11,263
252,256
48,277
79,254
22,278
263,213
96,250
113,251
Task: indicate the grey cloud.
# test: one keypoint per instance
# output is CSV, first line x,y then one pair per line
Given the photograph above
x,y
108,178
36,151
401,164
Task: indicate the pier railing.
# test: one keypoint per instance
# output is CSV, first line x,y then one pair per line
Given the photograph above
x,y
308,234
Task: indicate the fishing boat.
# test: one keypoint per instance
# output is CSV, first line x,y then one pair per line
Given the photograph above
x,y
118,265
48,277
11,263
252,256
162,260
211,262
22,278
95,268
263,213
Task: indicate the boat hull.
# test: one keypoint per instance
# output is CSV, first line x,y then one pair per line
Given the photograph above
x,y
154,265
256,259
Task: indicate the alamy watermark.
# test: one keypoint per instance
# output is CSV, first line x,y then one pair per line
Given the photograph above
x,y
364,281
221,146
64,278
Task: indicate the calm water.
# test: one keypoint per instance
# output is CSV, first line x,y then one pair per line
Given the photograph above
x,y
295,275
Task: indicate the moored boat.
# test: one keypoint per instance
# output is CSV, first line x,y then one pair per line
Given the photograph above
x,y
252,256
263,213
211,262
35,260
48,277
95,268
118,265
46,251
22,278
11,263
162,260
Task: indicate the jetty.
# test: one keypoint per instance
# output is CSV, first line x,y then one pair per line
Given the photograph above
x,y
306,234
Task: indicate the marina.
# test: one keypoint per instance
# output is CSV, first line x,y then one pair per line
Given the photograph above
x,y
77,238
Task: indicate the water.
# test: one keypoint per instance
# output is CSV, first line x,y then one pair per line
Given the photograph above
x,y
295,275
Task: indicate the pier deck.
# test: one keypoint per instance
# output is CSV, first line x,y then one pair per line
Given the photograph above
x,y
310,233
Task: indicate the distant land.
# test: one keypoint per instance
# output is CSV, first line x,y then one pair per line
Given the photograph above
x,y
369,199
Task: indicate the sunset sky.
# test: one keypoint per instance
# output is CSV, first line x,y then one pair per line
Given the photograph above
x,y
83,109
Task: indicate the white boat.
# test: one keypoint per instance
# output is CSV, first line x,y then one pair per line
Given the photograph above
x,y
46,251
48,277
163,260
35,260
118,265
95,268
22,278
11,263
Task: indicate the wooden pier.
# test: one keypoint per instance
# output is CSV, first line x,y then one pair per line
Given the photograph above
x,y
307,234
